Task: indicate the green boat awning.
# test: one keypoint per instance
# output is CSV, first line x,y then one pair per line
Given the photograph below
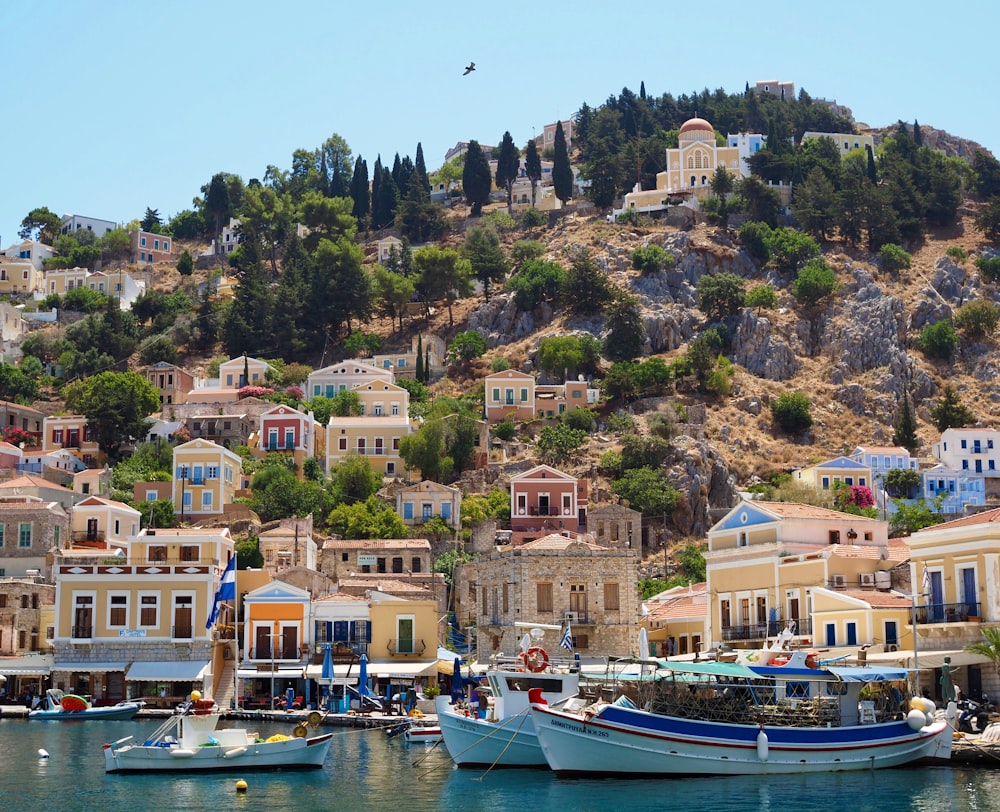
x,y
713,669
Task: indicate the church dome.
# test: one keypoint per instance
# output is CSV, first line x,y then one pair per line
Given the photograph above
x,y
695,129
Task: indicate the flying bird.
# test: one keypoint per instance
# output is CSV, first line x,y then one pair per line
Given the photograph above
x,y
470,69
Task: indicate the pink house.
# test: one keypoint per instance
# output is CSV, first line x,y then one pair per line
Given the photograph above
x,y
543,501
287,430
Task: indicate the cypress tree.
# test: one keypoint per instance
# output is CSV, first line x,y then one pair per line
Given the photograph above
x,y
476,179
420,358
562,174
906,426
388,200
421,167
918,137
508,166
359,191
872,172
532,167
376,187
397,168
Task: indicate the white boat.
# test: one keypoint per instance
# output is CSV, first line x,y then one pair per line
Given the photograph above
x,y
506,737
715,718
192,741
422,734
61,707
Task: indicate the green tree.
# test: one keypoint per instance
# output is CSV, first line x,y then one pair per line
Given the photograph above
x,y
370,519
570,355
789,249
761,297
248,323
988,647
476,180
760,201
894,258
151,220
443,275
651,259
647,491
587,286
116,246
977,320
508,167
393,292
537,281
532,167
721,296
16,386
158,513
722,185
626,332
359,191
557,444
755,239
814,283
902,483
989,267
908,517
218,204
988,220
562,173
949,412
905,433
791,411
815,203
487,259
40,224
116,405
466,346
185,263
354,479
938,340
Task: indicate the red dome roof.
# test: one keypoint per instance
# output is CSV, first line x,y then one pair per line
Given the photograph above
x,y
693,124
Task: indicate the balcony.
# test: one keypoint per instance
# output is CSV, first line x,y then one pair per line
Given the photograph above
x,y
83,632
544,510
761,631
370,452
406,647
182,633
92,536
948,613
341,653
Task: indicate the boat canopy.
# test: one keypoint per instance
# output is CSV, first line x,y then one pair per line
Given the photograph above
x,y
710,668
867,673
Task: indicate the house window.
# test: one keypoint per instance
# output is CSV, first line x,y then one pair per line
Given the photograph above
x,y
506,598
611,598
118,611
2,528
397,564
342,444
24,535
543,597
158,553
407,510
415,565
404,634
149,606
725,613
206,500
189,552
524,394
825,483
211,472
496,394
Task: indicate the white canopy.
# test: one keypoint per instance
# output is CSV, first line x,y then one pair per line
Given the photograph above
x,y
178,671
904,658
406,669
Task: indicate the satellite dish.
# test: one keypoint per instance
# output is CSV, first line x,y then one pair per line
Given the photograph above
x,y
537,634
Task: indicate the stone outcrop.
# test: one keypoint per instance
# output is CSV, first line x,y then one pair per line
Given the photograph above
x,y
760,352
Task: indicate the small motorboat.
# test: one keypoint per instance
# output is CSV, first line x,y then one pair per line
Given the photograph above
x,y
63,707
192,741
422,734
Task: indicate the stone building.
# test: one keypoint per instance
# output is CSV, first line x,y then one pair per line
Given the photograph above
x,y
615,526
25,616
553,580
343,557
29,529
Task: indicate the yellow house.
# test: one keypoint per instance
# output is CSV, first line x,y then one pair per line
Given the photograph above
x,y
72,432
825,476
857,617
206,478
18,277
765,559
675,620
96,519
61,280
404,637
374,434
845,142
243,371
148,608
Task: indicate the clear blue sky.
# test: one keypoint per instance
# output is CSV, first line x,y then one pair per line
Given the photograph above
x,y
112,106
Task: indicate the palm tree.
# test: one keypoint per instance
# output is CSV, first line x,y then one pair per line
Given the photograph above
x,y
988,647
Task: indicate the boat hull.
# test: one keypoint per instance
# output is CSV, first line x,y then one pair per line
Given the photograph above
x,y
288,754
124,710
511,742
422,735
624,741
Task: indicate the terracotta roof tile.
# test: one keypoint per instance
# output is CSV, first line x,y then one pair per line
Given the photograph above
x,y
873,598
986,517
376,544
796,510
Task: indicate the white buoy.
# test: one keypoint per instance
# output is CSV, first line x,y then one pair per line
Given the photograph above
x,y
762,745
43,754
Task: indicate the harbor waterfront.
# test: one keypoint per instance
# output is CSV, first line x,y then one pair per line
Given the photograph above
x,y
366,770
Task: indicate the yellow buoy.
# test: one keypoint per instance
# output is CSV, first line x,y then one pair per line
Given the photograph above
x,y
241,785
195,695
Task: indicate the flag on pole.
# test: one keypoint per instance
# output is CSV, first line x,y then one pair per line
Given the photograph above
x,y
225,592
567,639
927,581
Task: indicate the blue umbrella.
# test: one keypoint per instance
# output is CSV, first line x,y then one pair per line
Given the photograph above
x,y
457,689
327,674
363,675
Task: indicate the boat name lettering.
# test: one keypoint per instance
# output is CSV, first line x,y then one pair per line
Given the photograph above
x,y
131,632
603,734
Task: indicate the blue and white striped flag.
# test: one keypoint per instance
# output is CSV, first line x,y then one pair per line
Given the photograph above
x,y
225,592
567,639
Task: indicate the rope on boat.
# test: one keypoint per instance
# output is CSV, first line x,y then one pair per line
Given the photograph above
x,y
510,741
523,714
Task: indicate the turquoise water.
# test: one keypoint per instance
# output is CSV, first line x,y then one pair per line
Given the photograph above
x,y
367,771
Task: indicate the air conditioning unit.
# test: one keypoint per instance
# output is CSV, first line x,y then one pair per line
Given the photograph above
x,y
892,646
571,617
868,579
838,581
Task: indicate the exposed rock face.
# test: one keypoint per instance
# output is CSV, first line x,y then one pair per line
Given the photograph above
x,y
760,352
500,322
701,475
873,332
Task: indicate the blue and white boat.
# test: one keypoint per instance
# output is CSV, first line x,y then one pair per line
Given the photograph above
x,y
714,718
61,707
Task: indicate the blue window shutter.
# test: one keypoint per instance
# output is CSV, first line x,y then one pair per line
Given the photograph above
x,y
340,630
446,510
407,510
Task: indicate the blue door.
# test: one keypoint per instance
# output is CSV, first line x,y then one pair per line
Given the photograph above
x,y
852,634
891,633
831,634
936,608
969,594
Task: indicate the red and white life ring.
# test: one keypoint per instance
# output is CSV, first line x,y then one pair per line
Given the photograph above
x,y
535,659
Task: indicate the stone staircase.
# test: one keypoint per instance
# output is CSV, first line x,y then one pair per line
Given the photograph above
x,y
225,690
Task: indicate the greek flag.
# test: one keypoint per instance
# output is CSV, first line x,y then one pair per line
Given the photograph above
x,y
927,581
225,592
567,639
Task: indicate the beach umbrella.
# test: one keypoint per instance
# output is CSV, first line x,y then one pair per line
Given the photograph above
x,y
457,690
643,642
326,675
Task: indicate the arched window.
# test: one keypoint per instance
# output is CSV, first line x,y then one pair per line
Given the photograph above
x,y
697,161
690,162
704,180
694,180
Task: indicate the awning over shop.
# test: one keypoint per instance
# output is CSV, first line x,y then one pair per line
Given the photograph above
x,y
38,665
280,673
341,671
402,668
89,668
904,658
180,671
